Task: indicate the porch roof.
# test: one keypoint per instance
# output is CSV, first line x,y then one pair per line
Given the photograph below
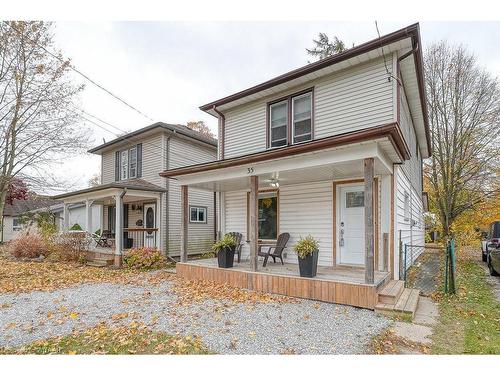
x,y
291,165
137,188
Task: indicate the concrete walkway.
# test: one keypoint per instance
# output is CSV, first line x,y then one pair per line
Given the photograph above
x,y
420,330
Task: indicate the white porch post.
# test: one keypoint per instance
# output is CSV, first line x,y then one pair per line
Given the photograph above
x,y
65,217
369,227
158,239
184,222
88,217
118,230
253,218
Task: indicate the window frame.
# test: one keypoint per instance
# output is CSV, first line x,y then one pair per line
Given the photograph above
x,y
198,208
130,162
309,93
286,123
406,207
277,191
17,227
124,166
290,126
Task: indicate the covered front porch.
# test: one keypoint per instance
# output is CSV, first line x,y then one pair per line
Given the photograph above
x,y
342,196
131,216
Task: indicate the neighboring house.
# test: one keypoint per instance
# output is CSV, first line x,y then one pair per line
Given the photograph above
x,y
77,216
12,224
137,202
333,149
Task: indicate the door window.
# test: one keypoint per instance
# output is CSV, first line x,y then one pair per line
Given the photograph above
x,y
354,199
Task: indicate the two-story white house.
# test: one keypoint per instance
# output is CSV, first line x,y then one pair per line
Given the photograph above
x,y
140,208
333,149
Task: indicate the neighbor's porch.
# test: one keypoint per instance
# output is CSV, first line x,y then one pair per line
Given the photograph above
x,y
131,216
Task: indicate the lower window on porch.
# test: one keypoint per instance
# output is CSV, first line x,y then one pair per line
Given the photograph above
x,y
268,215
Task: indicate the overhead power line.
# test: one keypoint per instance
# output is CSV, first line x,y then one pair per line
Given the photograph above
x,y
83,115
72,67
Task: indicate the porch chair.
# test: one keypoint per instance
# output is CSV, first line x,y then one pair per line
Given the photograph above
x,y
238,236
102,239
277,250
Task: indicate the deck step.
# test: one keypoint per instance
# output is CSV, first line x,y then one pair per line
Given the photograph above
x,y
391,292
406,304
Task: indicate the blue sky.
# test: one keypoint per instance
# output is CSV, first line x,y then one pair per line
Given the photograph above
x,y
168,69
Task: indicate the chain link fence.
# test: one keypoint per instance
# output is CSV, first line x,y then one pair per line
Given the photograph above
x,y
420,267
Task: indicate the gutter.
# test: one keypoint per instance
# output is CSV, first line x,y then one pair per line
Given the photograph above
x,y
222,125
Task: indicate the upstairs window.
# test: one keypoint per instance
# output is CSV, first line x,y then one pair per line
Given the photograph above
x,y
133,163
302,118
124,165
128,163
279,124
290,120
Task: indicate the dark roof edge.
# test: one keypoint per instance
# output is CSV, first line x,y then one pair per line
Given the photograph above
x,y
409,31
170,127
112,185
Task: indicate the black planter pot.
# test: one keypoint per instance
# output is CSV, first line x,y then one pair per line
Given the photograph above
x,y
225,257
309,265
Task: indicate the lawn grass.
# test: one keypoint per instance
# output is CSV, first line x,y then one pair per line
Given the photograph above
x,y
470,320
118,340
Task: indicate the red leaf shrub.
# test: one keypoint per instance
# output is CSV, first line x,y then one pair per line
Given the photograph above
x,y
28,246
145,258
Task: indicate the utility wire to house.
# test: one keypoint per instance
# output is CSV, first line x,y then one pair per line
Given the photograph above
x,y
85,76
84,115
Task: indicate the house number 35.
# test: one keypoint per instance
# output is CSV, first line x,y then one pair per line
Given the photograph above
x,y
250,170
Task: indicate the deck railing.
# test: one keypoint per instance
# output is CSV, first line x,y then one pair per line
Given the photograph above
x,y
140,237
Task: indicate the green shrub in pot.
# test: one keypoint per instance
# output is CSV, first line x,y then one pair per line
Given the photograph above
x,y
224,249
307,250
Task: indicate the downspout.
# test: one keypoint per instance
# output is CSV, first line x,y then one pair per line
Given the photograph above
x,y
222,127
222,135
399,83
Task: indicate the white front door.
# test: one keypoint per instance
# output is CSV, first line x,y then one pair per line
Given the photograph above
x,y
351,224
149,222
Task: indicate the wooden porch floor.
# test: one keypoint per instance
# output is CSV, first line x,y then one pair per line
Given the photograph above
x,y
344,285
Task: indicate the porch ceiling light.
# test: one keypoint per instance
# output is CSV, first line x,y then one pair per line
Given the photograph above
x,y
274,183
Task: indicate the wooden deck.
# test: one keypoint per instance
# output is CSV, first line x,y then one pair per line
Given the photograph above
x,y
344,285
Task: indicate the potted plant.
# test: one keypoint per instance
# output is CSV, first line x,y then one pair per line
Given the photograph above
x,y
224,249
307,250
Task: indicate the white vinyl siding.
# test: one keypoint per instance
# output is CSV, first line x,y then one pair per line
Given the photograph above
x,y
107,167
303,209
412,167
408,233
235,216
245,130
355,98
308,209
201,237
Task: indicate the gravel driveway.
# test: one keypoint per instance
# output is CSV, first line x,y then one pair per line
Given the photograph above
x,y
226,327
